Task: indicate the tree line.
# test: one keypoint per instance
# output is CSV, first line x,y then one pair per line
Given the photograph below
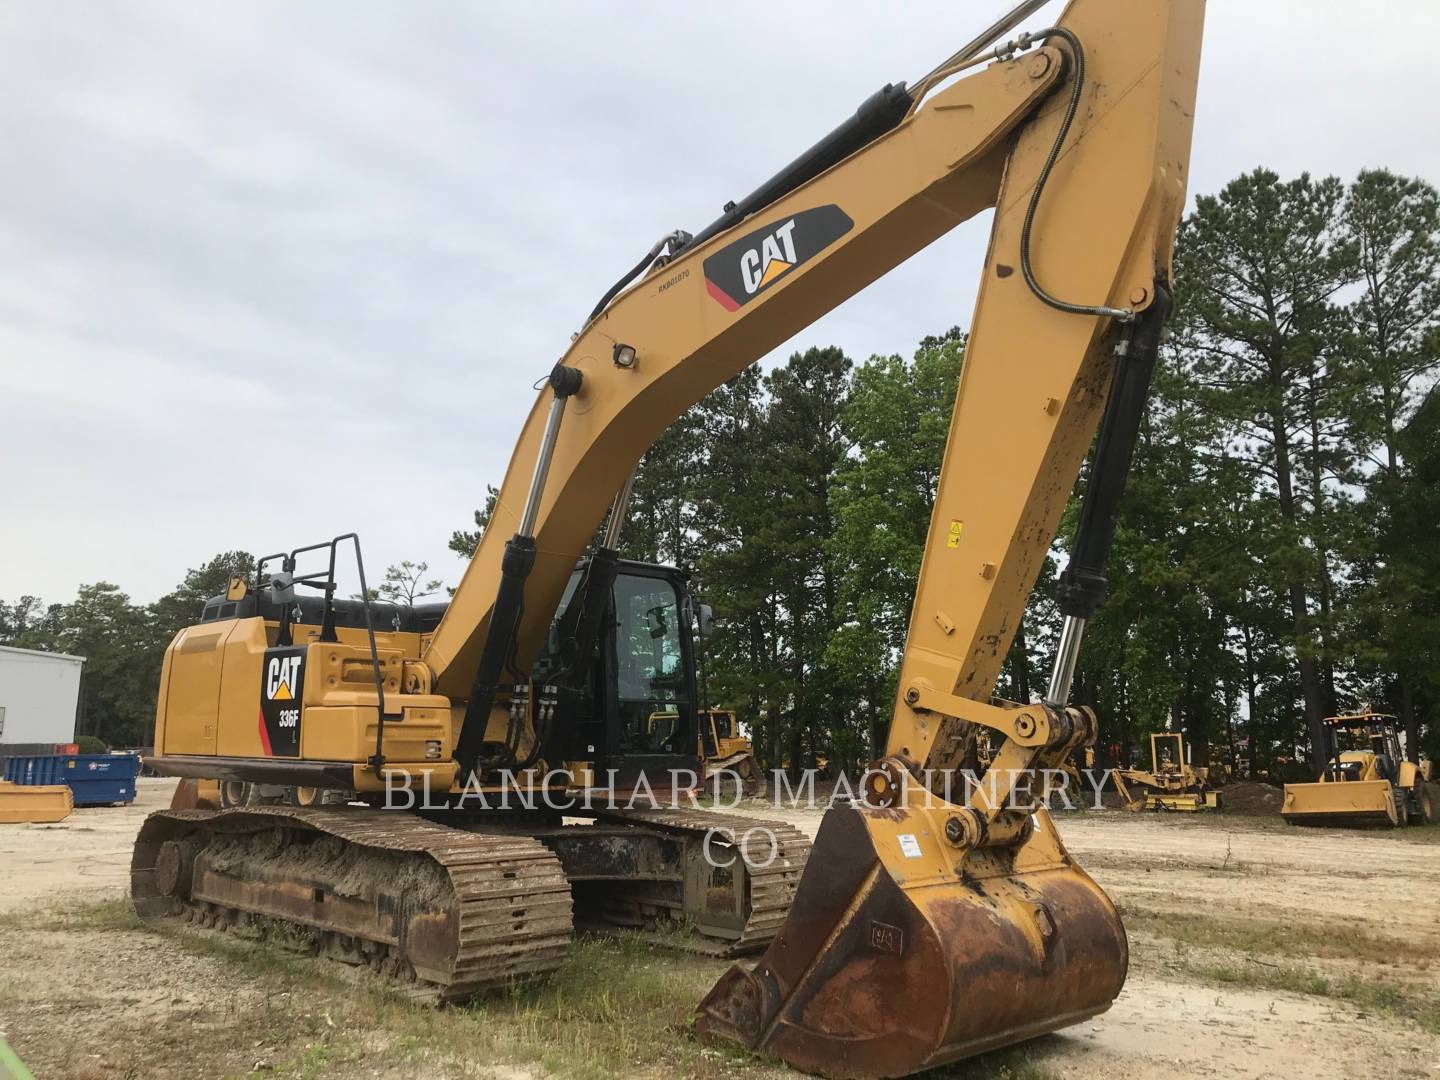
x,y
1273,561
1274,558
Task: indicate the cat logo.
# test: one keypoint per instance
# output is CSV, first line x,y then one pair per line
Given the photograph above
x,y
282,678
745,268
776,254
282,704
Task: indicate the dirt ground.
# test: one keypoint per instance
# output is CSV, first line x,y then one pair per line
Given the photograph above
x,y
1256,949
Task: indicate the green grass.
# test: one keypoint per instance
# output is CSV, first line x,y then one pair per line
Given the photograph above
x,y
1369,994
102,915
1337,940
617,1007
327,1056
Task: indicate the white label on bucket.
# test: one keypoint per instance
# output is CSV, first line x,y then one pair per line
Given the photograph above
x,y
909,845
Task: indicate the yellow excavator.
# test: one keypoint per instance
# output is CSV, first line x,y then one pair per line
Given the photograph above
x,y
926,927
1367,782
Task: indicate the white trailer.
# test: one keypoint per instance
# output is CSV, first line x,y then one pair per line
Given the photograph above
x,y
39,692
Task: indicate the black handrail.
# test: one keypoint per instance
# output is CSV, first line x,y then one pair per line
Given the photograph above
x,y
326,582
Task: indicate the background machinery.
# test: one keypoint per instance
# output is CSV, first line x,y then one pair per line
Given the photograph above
x,y
927,928
1367,782
727,758
1171,783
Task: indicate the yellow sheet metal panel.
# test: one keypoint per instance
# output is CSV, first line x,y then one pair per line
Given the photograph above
x,y
239,718
191,705
1354,802
34,803
347,733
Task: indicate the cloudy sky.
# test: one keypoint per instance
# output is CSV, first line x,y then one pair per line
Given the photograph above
x,y
275,271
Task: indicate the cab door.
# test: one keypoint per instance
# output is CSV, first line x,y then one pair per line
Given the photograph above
x,y
649,669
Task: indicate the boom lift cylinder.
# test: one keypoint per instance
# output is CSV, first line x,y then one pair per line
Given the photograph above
x,y
515,568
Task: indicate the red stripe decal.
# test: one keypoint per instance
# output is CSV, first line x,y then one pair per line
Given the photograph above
x,y
719,294
265,736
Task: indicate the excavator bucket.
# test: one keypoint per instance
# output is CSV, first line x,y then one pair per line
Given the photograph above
x,y
34,803
898,956
1346,804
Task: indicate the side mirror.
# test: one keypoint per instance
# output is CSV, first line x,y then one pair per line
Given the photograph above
x,y
282,587
705,616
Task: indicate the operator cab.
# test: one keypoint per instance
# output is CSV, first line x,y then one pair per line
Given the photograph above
x,y
640,711
1356,741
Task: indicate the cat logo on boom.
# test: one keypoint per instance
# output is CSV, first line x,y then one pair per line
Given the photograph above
x,y
762,265
745,268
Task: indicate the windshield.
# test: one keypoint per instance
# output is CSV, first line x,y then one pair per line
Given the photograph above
x,y
650,666
1361,737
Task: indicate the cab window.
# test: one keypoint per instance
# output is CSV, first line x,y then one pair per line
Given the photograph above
x,y
650,666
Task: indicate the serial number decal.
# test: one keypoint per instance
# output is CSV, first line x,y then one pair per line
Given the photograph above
x,y
670,282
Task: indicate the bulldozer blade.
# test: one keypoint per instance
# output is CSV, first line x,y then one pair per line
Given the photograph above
x,y
901,952
36,804
1343,804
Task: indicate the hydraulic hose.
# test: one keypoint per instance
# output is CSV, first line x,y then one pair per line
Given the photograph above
x,y
1072,107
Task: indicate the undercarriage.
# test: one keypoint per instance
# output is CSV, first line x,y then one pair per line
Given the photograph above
x,y
450,910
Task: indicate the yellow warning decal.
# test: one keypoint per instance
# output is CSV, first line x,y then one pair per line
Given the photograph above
x,y
956,528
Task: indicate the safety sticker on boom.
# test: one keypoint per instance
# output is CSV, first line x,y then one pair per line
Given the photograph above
x,y
743,269
282,689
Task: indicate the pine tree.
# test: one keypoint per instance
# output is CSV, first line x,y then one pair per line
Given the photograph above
x,y
1258,268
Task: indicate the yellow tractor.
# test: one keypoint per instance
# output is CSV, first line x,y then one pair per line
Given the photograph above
x,y
1171,783
727,753
1367,782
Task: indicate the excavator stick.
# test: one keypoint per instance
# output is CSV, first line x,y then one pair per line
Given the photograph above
x,y
892,961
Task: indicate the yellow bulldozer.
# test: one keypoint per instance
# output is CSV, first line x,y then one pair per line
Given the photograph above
x,y
1367,781
922,929
726,756
1171,783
